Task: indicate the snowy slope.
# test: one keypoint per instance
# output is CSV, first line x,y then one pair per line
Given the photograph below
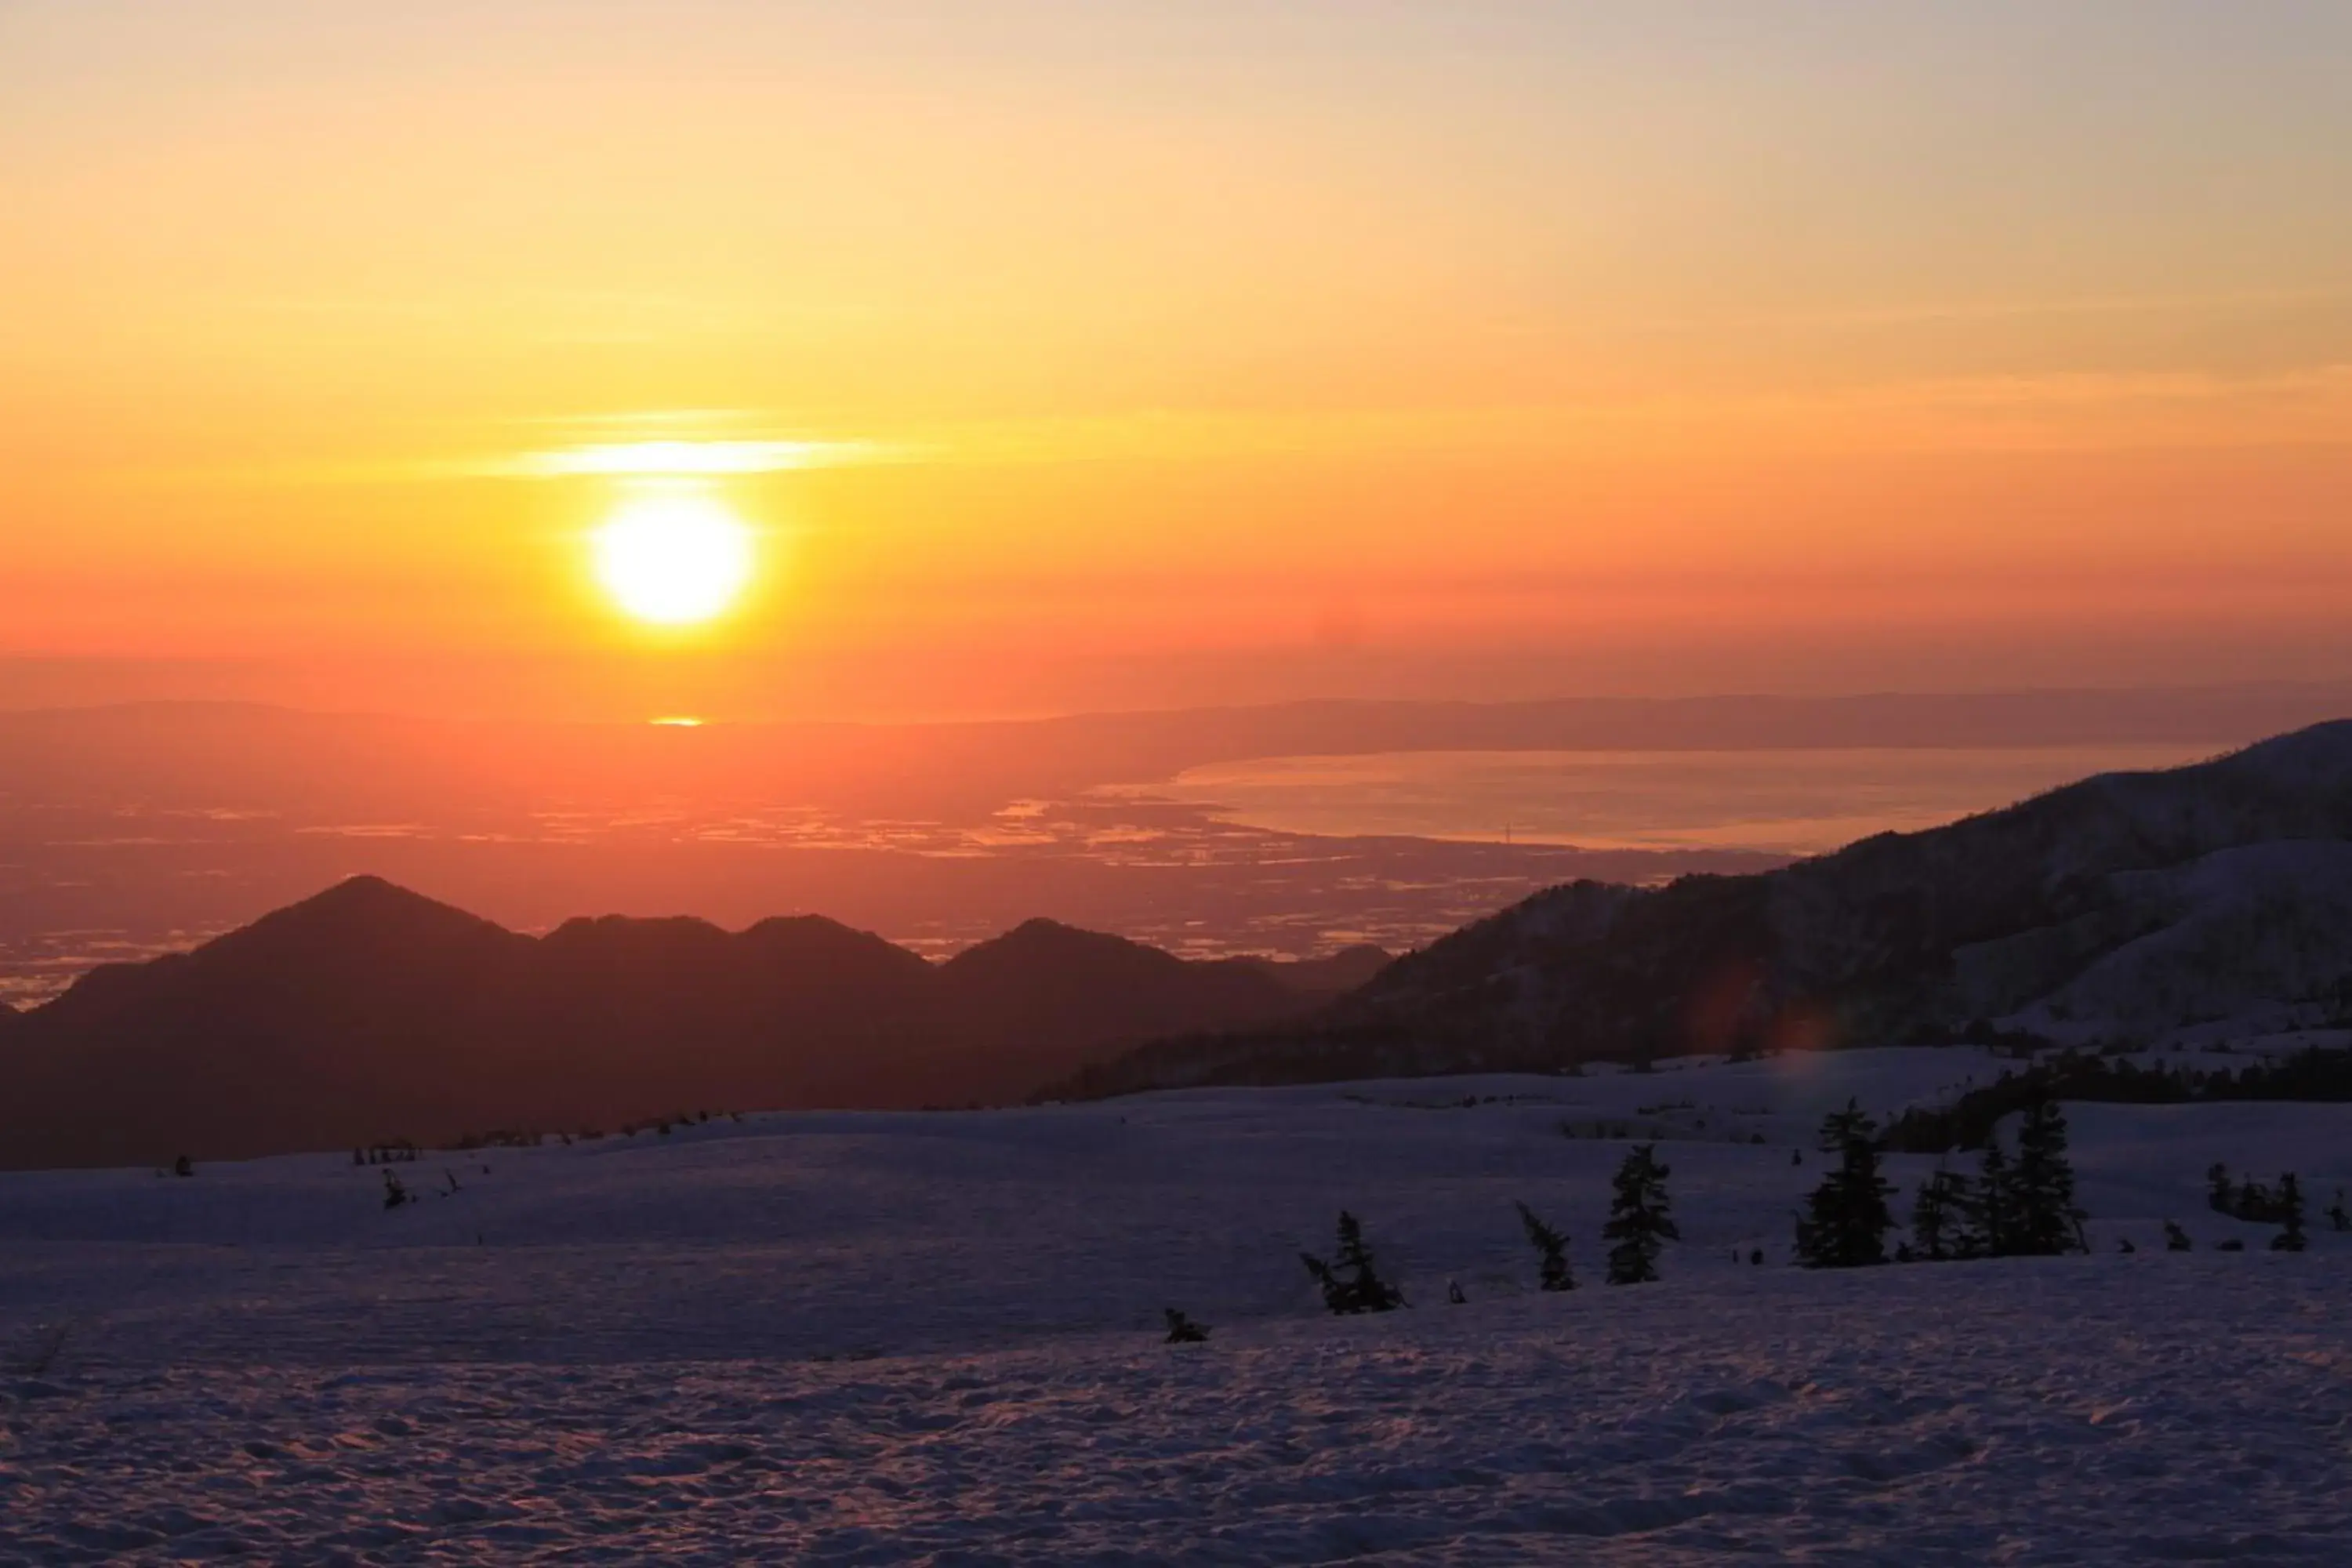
x,y
878,1337
2128,907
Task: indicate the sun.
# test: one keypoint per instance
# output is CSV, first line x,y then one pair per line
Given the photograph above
x,y
673,558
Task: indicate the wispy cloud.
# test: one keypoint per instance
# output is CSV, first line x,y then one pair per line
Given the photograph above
x,y
679,458
2080,411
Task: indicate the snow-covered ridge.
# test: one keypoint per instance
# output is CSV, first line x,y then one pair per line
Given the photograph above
x,y
2127,909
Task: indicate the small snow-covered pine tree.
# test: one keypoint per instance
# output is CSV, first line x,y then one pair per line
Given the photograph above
x,y
1551,1249
1349,1281
1640,1217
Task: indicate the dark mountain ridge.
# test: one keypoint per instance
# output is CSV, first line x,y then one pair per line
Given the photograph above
x,y
371,1013
2127,907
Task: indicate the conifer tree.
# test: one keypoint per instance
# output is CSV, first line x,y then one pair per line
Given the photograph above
x,y
1551,1248
1350,1282
1846,1219
2175,1238
2220,1195
2338,1218
2045,1218
2290,1206
1939,1217
1183,1330
1640,1217
1993,1216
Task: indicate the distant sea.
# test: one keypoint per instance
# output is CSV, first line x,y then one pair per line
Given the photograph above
x,y
1782,802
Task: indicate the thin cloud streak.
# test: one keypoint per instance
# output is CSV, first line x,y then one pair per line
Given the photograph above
x,y
682,459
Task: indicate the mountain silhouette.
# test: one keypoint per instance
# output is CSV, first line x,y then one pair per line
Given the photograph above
x,y
1332,975
2127,908
371,1013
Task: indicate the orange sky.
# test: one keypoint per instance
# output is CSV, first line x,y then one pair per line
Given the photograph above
x,y
1102,354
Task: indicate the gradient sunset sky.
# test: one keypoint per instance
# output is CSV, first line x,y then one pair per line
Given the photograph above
x,y
1065,353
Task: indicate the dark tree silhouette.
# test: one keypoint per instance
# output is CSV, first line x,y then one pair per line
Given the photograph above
x,y
2175,1238
1183,1330
1551,1248
2290,1202
394,1195
1846,1219
1350,1282
2047,1222
1640,1217
1940,1216
1992,1216
2338,1218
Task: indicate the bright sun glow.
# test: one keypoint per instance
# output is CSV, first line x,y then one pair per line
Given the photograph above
x,y
673,557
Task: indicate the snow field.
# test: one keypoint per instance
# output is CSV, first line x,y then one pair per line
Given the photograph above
x,y
881,1338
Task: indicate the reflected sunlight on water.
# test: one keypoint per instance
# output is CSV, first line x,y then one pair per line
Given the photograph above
x,y
1798,802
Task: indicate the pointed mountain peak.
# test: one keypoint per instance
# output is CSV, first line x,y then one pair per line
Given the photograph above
x,y
363,906
362,891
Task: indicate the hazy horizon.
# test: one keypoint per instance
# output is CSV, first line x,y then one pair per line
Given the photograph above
x,y
129,831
